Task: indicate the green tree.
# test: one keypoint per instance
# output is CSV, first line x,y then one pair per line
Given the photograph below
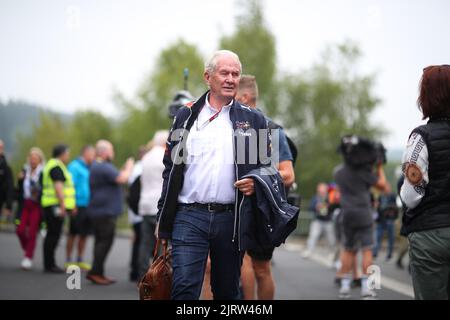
x,y
87,127
167,77
50,131
321,105
147,112
255,45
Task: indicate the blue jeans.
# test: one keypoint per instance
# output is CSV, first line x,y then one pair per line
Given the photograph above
x,y
197,232
389,226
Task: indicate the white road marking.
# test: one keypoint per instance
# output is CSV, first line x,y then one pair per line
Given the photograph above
x,y
388,283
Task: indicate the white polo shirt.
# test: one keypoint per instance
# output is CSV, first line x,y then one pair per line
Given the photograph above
x,y
209,174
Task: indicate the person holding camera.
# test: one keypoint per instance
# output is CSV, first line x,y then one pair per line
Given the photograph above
x,y
426,188
355,178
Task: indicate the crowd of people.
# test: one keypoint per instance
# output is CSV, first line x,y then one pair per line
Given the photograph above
x,y
88,193
206,188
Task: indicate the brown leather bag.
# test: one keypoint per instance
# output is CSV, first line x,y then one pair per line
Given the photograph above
x,y
156,284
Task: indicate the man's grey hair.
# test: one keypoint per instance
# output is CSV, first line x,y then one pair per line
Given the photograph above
x,y
211,64
102,146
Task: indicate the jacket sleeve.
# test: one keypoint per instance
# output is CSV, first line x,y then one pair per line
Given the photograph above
x,y
19,188
168,163
9,188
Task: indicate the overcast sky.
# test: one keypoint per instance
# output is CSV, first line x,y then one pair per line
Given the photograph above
x,y
69,55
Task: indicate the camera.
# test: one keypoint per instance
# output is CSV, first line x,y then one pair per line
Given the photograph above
x,y
361,152
181,98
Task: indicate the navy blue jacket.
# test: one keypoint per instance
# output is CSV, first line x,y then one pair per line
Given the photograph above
x,y
267,219
244,119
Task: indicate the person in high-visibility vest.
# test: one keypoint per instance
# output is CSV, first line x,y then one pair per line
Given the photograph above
x,y
58,200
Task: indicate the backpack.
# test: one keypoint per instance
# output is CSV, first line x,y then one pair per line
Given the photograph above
x,y
134,195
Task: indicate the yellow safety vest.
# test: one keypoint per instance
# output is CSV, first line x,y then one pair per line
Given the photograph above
x,y
49,197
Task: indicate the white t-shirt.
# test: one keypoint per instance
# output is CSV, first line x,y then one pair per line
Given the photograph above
x,y
151,181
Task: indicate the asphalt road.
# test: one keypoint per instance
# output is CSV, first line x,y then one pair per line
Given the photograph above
x,y
296,278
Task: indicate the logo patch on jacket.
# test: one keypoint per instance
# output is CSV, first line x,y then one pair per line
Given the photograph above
x,y
275,187
243,125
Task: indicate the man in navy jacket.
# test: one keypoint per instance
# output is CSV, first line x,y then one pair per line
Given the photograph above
x,y
213,143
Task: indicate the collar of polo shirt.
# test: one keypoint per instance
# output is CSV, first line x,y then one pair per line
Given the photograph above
x,y
208,105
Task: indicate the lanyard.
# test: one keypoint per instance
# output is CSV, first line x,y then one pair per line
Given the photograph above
x,y
208,121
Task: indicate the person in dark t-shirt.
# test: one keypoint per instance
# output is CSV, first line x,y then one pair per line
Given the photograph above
x,y
357,221
105,205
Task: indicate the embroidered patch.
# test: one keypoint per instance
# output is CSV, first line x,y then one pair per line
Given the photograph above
x,y
413,174
244,125
275,187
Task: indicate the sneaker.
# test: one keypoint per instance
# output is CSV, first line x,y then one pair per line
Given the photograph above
x,y
367,294
26,263
306,254
344,293
84,266
69,264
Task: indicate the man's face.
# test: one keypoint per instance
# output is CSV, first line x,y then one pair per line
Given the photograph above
x,y
241,97
89,155
2,148
35,159
111,153
65,157
322,189
224,80
245,98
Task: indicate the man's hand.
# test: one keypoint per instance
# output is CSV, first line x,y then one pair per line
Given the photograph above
x,y
246,186
125,173
62,211
74,212
129,164
20,175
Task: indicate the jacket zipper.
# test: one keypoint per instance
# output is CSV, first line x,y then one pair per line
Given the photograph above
x,y
173,165
236,192
239,227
